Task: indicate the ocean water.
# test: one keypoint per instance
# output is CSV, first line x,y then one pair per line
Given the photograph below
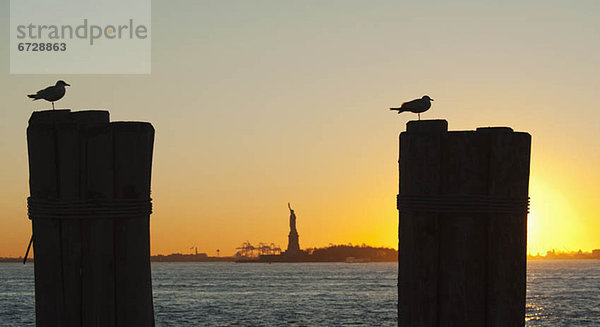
x,y
559,293
563,293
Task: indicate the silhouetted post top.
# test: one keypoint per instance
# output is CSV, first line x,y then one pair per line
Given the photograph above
x,y
494,130
66,116
441,126
84,117
427,126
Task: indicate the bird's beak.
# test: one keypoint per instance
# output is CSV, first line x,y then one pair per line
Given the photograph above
x,y
67,84
431,99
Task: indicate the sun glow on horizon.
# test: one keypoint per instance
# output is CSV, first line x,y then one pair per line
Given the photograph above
x,y
558,219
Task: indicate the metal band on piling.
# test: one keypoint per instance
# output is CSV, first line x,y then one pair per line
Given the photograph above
x,y
88,208
461,204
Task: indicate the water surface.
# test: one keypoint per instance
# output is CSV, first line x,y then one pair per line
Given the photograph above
x,y
559,293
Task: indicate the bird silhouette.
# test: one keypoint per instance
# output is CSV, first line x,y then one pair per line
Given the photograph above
x,y
417,106
51,93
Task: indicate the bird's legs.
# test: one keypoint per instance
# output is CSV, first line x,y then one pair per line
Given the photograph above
x,y
419,115
52,105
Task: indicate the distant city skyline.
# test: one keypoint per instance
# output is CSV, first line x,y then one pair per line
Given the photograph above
x,y
261,103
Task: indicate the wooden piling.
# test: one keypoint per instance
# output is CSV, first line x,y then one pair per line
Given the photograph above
x,y
462,231
507,233
69,172
91,242
43,183
99,267
133,161
419,244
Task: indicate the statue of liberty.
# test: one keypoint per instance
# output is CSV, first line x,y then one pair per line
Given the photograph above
x,y
293,245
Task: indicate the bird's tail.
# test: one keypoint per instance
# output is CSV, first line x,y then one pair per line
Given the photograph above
x,y
33,96
398,109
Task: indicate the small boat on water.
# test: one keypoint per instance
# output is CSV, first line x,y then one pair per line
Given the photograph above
x,y
357,260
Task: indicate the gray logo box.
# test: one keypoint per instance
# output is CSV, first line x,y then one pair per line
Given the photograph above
x,y
80,37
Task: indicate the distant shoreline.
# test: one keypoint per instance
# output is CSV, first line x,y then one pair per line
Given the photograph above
x,y
338,253
579,255
232,259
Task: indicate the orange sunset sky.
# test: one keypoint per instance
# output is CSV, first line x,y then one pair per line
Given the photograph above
x,y
257,103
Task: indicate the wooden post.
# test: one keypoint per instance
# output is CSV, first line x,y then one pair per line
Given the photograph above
x,y
99,265
507,232
69,172
44,183
462,235
74,184
462,231
133,161
419,244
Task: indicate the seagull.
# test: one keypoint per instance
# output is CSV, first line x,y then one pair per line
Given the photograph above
x,y
417,106
51,93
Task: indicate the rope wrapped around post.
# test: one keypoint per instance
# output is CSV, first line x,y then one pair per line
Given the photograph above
x,y
440,203
88,208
